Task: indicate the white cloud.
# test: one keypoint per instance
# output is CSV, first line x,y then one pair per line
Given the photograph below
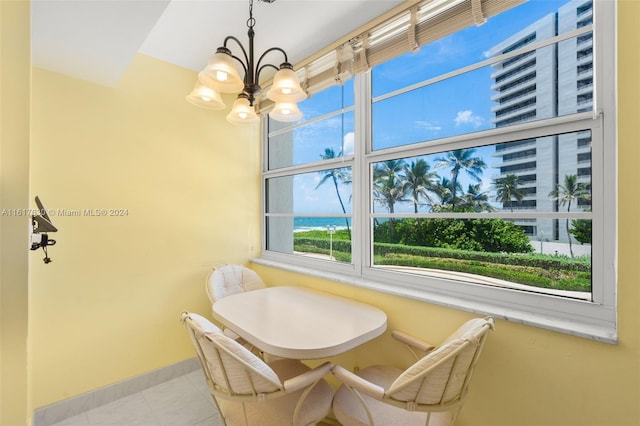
x,y
467,117
347,143
428,126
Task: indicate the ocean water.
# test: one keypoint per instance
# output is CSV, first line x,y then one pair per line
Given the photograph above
x,y
301,224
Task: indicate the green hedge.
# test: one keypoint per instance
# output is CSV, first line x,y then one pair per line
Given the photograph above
x,y
549,262
487,235
338,245
384,249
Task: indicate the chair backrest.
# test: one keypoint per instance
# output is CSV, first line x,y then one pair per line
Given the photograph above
x,y
231,279
440,380
232,371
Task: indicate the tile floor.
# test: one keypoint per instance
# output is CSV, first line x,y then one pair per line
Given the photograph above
x,y
183,401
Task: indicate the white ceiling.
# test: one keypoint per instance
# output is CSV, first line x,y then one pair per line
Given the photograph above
x,y
95,40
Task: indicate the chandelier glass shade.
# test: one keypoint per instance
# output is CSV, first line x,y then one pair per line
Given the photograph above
x,y
285,87
205,97
285,111
242,112
223,75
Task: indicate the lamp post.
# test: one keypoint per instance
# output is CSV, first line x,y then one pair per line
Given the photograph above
x,y
331,229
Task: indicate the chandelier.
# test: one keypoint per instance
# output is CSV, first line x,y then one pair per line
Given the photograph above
x,y
222,74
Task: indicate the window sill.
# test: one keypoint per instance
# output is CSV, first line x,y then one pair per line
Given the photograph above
x,y
599,330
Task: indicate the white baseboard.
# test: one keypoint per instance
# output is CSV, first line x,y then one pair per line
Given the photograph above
x,y
56,412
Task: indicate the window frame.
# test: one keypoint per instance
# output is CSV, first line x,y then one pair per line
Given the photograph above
x,y
596,319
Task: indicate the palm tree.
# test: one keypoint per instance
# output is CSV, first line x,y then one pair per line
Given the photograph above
x,y
443,191
387,186
507,189
567,193
337,176
418,182
461,160
475,200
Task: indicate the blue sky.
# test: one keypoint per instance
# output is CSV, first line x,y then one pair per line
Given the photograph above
x,y
457,106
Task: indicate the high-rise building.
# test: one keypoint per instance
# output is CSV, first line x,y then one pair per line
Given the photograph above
x,y
548,82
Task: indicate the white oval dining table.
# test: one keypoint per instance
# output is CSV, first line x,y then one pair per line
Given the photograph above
x,y
300,323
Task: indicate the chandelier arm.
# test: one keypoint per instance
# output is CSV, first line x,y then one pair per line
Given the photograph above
x,y
244,67
263,67
259,68
246,63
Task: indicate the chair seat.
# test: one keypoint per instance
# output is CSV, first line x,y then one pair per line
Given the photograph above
x,y
348,409
279,411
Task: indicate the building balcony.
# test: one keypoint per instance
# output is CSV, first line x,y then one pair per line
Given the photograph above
x,y
517,169
585,87
585,18
528,87
585,104
512,169
510,148
525,112
584,59
524,99
584,43
513,98
585,70
588,12
586,179
513,67
526,77
501,67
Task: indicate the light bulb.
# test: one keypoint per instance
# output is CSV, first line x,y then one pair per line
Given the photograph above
x,y
286,90
242,115
221,75
206,98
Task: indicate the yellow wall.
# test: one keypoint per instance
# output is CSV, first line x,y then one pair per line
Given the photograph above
x,y
15,65
107,308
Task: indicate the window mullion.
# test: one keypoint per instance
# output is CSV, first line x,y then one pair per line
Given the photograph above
x,y
531,129
361,239
339,162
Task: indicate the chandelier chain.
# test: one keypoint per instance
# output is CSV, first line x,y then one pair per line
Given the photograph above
x,y
251,21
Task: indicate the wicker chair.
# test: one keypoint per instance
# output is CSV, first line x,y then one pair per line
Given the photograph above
x,y
226,280
248,391
430,392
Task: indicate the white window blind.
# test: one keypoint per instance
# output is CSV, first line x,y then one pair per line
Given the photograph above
x,y
402,31
422,24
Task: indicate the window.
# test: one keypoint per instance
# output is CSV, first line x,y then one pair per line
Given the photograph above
x,y
308,187
478,172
